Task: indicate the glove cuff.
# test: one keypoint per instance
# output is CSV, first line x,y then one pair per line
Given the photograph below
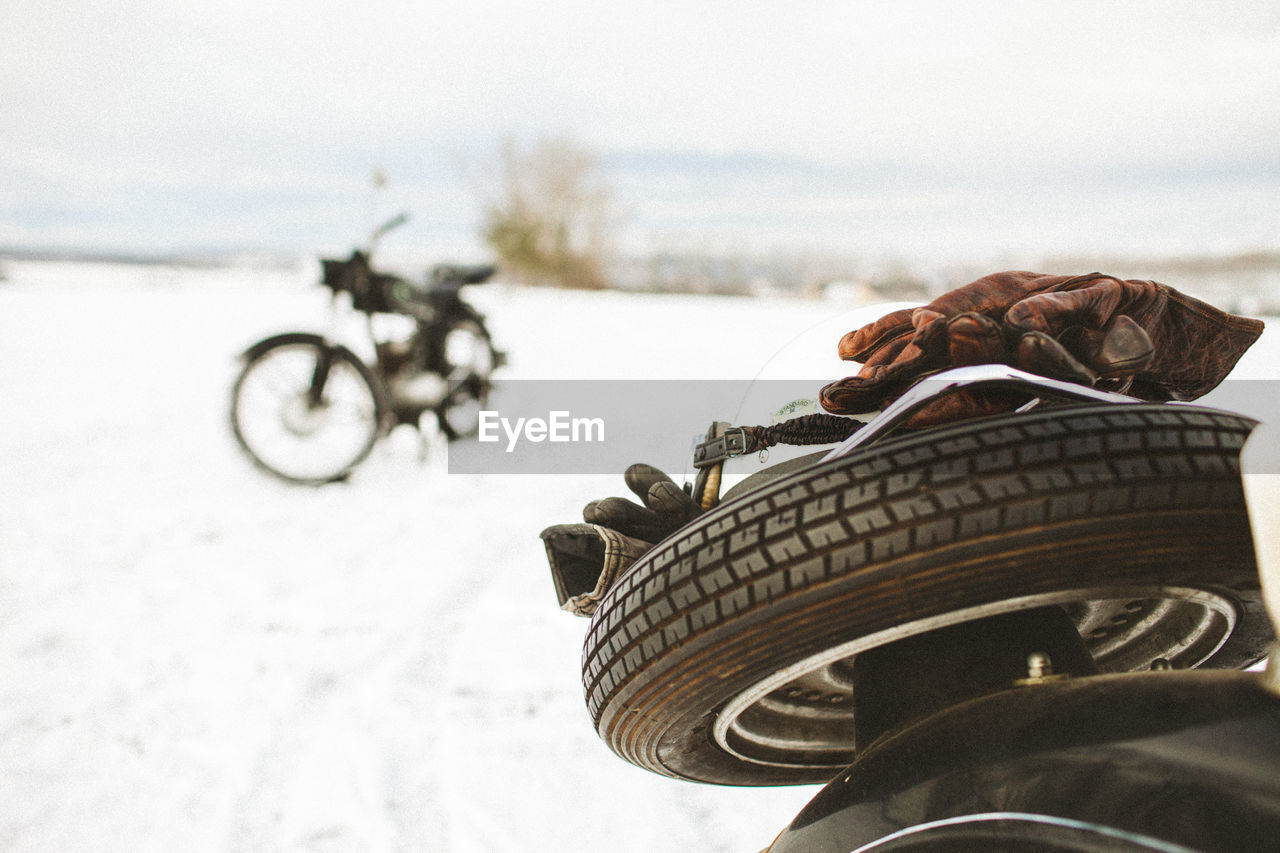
x,y
586,560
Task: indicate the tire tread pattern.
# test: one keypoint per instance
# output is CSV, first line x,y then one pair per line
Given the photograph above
x,y
904,497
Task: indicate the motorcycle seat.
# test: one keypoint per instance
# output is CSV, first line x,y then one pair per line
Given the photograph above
x,y
456,274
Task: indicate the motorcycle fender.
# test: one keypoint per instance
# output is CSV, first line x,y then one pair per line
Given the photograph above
x,y
288,338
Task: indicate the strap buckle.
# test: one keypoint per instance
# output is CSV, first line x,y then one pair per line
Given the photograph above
x,y
734,442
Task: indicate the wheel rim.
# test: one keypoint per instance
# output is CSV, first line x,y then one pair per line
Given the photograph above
x,y
302,419
802,716
288,434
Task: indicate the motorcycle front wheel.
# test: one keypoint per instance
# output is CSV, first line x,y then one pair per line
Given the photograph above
x,y
305,411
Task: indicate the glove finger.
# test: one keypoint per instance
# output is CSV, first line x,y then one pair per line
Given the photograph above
x,y
993,294
975,339
1053,313
1124,348
640,478
669,500
1039,353
885,332
628,517
931,330
856,395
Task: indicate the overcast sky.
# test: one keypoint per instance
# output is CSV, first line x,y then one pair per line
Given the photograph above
x,y
173,124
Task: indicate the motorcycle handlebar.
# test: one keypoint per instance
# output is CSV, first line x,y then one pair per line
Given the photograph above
x,y
390,225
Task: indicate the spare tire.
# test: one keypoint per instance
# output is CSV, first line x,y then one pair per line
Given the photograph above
x,y
724,654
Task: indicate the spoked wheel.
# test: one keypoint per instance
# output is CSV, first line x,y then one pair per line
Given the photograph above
x,y
730,652
306,412
470,354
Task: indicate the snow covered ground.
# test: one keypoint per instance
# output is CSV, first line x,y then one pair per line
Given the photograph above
x,y
197,657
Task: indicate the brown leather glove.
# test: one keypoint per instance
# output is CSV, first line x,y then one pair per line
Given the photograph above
x,y
1140,337
587,559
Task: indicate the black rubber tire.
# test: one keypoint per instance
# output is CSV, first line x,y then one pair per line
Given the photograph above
x,y
294,456
963,517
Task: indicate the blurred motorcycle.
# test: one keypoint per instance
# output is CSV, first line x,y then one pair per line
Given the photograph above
x,y
308,409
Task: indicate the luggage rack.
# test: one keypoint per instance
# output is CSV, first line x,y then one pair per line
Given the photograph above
x,y
980,377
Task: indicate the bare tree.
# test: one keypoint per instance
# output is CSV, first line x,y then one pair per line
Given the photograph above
x,y
551,221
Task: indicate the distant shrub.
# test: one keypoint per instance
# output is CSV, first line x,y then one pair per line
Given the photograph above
x,y
551,221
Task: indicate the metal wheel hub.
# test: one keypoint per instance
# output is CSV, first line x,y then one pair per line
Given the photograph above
x,y
300,417
804,715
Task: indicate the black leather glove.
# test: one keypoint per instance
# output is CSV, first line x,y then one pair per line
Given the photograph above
x,y
666,506
587,559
